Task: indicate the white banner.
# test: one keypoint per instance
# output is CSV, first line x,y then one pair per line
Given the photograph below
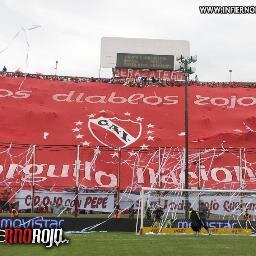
x,y
222,205
104,202
101,202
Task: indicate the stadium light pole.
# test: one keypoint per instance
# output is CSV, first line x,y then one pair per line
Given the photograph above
x,y
187,70
230,75
56,67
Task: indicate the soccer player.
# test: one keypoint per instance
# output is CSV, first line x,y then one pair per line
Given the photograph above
x,y
131,212
204,213
14,213
4,197
196,223
158,213
247,218
148,213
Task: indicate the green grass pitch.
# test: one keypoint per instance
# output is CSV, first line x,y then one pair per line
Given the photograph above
x,y
122,244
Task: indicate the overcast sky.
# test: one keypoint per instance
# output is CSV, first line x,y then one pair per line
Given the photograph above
x,y
71,31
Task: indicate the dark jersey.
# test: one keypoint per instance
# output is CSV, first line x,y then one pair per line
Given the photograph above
x,y
196,223
158,214
203,212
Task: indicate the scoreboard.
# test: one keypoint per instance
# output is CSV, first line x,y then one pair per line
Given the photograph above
x,y
145,61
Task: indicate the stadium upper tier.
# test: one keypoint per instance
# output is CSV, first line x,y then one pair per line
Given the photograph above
x,y
128,81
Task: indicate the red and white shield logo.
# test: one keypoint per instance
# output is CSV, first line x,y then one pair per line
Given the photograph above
x,y
114,132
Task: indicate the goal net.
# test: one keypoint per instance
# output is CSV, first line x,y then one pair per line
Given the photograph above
x,y
221,208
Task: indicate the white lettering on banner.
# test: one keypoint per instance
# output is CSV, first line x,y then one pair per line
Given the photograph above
x,y
17,95
42,172
228,102
27,170
152,175
211,175
228,175
112,177
102,202
154,100
137,98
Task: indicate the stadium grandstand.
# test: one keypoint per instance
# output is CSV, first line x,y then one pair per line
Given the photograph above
x,y
131,82
113,148
138,144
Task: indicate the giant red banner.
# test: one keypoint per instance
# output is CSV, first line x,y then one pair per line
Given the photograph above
x,y
127,137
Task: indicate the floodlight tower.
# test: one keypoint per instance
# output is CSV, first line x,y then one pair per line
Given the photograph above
x,y
187,70
230,75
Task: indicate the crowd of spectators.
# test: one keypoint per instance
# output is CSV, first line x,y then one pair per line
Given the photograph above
x,y
130,82
52,77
